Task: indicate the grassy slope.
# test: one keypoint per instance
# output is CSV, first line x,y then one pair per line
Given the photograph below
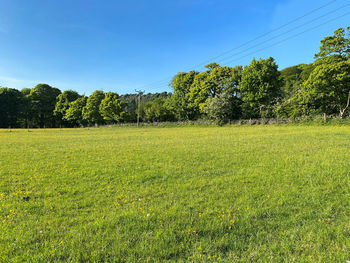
x,y
239,193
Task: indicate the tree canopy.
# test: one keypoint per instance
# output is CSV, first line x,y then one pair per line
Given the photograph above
x,y
337,45
260,87
111,107
91,112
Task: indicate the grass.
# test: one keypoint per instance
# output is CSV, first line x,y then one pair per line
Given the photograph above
x,y
181,194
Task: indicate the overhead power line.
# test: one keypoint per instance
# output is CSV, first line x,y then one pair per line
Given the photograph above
x,y
293,36
267,33
164,82
287,32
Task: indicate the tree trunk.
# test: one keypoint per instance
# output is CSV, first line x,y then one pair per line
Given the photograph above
x,y
342,111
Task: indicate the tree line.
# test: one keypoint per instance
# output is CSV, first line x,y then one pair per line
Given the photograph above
x,y
220,93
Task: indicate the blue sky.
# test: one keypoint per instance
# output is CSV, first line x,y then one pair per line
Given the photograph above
x,y
121,46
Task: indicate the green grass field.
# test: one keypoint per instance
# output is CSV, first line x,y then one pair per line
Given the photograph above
x,y
182,194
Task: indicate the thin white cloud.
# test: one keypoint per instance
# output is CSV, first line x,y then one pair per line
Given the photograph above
x,y
16,83
6,81
83,88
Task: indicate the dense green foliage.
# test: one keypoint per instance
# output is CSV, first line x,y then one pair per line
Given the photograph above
x,y
221,93
74,114
91,112
260,87
12,104
156,111
43,101
63,103
328,87
223,107
181,194
111,107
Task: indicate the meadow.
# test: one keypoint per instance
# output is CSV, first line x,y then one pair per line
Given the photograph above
x,y
273,193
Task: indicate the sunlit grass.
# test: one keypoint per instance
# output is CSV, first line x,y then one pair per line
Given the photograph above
x,y
127,194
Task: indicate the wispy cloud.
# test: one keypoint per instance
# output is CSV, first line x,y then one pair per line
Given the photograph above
x,y
16,83
11,82
83,88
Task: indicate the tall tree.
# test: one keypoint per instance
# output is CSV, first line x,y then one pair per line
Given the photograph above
x,y
260,87
74,113
11,107
62,105
43,102
111,107
327,90
337,45
91,112
214,81
178,103
27,112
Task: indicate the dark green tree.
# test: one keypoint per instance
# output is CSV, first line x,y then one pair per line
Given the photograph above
x,y
293,78
43,101
27,114
178,103
260,87
156,111
327,90
11,107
